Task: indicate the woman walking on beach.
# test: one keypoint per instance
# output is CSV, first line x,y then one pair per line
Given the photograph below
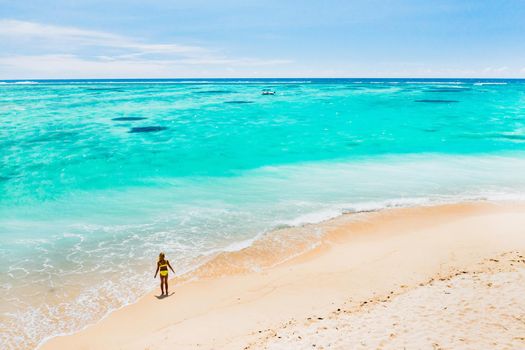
x,y
162,266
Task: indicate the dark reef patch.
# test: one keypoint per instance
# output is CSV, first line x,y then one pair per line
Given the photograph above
x,y
120,119
437,101
500,136
50,136
147,129
512,137
238,102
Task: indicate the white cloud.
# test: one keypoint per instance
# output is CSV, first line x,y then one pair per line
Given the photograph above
x,y
81,37
71,66
30,50
495,70
69,52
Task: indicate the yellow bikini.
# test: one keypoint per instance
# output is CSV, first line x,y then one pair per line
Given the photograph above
x,y
164,272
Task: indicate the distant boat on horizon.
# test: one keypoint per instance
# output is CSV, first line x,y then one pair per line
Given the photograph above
x,y
268,92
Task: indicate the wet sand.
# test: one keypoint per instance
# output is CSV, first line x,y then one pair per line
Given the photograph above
x,y
370,276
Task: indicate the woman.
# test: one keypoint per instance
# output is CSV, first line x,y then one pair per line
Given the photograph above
x,y
162,266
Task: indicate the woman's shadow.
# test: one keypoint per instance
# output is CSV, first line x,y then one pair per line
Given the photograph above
x,y
163,296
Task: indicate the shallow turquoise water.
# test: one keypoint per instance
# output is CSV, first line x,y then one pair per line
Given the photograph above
x,y
96,177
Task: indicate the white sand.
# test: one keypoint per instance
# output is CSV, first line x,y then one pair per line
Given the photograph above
x,y
483,310
399,253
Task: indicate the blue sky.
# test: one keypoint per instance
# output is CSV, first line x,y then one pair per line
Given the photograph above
x,y
168,39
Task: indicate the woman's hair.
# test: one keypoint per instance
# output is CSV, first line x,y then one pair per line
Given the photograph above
x,y
161,256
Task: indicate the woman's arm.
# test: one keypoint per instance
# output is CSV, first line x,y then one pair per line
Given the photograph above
x,y
171,268
156,272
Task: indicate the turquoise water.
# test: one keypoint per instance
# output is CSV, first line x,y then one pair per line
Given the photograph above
x,y
96,177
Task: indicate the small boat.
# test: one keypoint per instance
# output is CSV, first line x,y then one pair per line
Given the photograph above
x,y
268,92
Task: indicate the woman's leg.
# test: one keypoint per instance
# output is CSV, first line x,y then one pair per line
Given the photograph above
x,y
162,284
166,284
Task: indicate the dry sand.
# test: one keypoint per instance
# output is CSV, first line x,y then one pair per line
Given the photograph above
x,y
430,277
471,310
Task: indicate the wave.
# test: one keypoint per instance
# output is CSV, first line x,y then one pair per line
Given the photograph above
x,y
245,82
490,83
155,82
19,82
242,81
436,82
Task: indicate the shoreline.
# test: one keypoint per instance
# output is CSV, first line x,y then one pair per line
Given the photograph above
x,y
244,301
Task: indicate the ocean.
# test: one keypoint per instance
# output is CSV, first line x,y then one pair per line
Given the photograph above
x,y
98,176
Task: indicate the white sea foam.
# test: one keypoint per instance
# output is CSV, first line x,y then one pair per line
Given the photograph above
x,y
313,217
159,82
375,206
246,82
436,82
18,82
490,83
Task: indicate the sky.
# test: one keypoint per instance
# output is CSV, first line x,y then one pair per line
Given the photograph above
x,y
67,39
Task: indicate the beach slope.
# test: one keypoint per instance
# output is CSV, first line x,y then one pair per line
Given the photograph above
x,y
399,277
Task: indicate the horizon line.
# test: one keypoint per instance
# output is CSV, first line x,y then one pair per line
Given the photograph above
x,y
260,78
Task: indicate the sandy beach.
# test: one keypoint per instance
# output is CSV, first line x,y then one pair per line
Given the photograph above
x,y
316,175
441,277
